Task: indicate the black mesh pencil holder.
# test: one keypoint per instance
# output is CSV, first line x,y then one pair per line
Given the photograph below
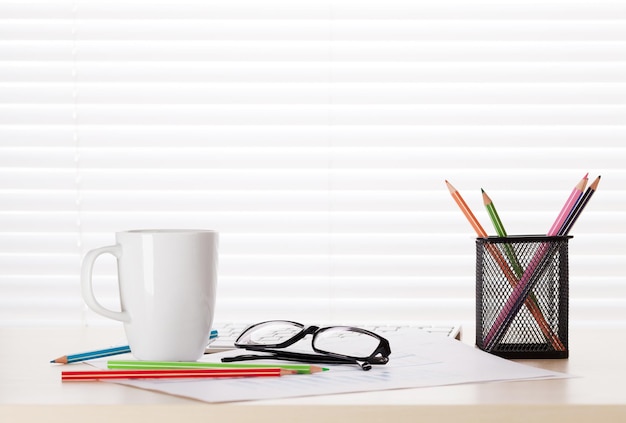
x,y
522,296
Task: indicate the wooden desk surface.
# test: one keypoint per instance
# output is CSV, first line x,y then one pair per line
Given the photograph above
x,y
31,390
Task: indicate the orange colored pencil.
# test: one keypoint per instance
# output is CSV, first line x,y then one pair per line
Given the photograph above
x,y
504,266
480,231
85,375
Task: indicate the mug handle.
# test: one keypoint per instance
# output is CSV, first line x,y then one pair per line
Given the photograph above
x,y
87,283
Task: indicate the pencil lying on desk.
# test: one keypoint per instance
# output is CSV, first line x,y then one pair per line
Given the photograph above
x,y
504,266
90,355
80,375
154,365
106,352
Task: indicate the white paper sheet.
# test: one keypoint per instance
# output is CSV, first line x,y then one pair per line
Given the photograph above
x,y
418,359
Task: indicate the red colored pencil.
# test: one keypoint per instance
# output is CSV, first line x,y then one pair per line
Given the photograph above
x,y
82,375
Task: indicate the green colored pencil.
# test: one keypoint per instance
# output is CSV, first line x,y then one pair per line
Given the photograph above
x,y
497,224
152,365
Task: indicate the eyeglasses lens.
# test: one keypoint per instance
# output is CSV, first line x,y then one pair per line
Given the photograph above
x,y
346,341
270,333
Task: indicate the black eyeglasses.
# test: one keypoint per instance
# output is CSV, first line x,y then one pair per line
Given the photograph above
x,y
334,344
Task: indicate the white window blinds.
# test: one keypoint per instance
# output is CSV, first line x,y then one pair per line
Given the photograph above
x,y
316,138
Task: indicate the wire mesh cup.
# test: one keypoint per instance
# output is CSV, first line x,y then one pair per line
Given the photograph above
x,y
522,293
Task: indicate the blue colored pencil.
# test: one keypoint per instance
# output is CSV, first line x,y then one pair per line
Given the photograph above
x,y
106,352
90,355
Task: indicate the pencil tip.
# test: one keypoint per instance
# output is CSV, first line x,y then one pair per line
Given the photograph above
x,y
482,190
595,183
450,187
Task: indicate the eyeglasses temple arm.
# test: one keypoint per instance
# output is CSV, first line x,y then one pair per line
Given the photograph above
x,y
289,356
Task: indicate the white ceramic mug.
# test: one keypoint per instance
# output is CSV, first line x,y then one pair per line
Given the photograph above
x,y
167,280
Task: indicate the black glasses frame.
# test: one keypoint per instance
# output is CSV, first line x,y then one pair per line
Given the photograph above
x,y
380,355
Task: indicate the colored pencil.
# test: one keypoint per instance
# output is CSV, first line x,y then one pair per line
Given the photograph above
x,y
480,231
576,193
493,214
90,355
154,365
531,302
80,375
532,273
106,352
499,227
578,208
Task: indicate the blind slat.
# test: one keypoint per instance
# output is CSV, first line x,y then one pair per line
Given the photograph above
x,y
316,93
419,51
517,71
307,30
297,114
285,9
272,136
